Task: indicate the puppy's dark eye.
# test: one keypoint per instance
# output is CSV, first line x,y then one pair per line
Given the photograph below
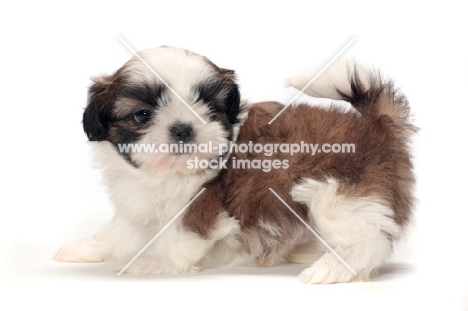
x,y
142,116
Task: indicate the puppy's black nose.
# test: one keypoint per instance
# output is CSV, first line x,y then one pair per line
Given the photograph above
x,y
181,132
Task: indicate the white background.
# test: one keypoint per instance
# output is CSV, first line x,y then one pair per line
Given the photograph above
x,y
51,195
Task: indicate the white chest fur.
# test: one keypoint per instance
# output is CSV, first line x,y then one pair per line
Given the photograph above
x,y
145,198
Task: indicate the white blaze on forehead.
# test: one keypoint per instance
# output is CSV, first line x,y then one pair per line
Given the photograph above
x,y
179,68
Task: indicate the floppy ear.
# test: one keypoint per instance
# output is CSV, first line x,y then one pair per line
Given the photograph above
x,y
97,114
233,95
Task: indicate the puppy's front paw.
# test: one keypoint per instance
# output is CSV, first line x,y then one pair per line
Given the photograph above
x,y
79,251
328,269
150,266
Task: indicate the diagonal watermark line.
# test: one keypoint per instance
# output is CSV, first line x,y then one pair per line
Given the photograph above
x,y
313,79
162,80
313,231
161,231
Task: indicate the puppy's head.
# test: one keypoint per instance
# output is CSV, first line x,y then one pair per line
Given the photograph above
x,y
159,108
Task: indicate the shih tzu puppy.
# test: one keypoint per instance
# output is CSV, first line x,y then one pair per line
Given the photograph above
x,y
354,205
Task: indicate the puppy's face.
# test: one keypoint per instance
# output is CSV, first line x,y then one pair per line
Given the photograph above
x,y
133,106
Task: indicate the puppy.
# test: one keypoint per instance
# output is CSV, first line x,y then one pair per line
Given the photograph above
x,y
339,212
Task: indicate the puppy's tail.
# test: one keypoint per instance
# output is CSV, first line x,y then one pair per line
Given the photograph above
x,y
365,89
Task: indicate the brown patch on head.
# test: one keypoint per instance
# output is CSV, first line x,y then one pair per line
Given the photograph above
x,y
120,111
101,97
221,92
125,106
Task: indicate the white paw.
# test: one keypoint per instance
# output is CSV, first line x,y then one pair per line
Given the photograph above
x,y
153,267
79,251
328,269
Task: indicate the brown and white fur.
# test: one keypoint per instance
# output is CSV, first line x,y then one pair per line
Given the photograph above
x,y
359,203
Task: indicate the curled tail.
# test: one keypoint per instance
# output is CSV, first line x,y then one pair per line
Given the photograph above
x,y
365,89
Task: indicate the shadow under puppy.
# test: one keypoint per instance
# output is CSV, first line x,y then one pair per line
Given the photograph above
x,y
358,202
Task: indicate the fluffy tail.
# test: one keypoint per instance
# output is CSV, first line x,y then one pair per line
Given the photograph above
x,y
365,89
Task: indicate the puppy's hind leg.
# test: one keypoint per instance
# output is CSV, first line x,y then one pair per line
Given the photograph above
x,y
359,229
